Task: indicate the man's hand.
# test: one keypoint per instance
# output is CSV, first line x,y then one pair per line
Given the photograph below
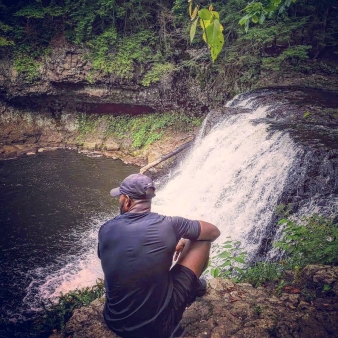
x,y
179,248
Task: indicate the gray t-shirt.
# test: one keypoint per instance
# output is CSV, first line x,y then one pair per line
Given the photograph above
x,y
136,251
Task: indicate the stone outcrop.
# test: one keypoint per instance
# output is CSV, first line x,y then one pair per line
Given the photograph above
x,y
242,311
67,81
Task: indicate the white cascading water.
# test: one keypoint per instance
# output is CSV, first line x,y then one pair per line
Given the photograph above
x,y
232,178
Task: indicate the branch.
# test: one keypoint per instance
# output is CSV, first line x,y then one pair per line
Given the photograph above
x,y
165,157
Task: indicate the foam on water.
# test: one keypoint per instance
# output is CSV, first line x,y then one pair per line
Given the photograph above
x,y
68,273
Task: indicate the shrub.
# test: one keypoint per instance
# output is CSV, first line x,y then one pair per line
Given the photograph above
x,y
313,242
227,260
56,314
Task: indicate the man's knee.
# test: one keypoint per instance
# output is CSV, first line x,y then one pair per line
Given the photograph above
x,y
195,256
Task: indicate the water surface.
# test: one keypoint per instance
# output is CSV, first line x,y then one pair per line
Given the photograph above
x,y
52,206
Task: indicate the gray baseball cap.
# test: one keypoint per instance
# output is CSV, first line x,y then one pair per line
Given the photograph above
x,y
136,186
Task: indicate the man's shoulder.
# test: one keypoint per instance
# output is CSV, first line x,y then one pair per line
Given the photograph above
x,y
109,222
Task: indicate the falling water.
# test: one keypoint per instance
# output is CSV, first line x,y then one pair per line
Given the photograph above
x,y
233,176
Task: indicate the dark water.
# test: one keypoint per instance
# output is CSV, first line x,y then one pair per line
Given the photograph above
x,y
52,205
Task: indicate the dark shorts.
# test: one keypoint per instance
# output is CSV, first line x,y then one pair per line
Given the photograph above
x,y
184,285
185,282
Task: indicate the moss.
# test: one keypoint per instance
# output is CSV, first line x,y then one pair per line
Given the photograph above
x,y
143,129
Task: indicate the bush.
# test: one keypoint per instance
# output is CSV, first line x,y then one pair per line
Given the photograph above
x,y
57,314
313,242
28,67
227,260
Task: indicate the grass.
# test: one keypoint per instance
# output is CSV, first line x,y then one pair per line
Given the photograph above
x,y
142,129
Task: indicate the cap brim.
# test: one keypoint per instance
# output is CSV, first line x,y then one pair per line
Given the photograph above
x,y
115,192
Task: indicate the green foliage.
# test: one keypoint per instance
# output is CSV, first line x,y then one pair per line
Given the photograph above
x,y
257,12
227,260
262,272
314,242
127,51
57,314
293,54
311,243
28,67
326,288
146,129
158,72
212,29
142,129
87,123
35,11
134,39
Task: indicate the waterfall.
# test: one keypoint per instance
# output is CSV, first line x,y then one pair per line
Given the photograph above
x,y
233,176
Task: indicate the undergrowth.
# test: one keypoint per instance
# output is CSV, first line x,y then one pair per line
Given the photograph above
x,y
142,129
313,240
56,314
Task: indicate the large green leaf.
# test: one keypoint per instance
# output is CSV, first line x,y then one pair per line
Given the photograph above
x,y
215,14
215,38
205,14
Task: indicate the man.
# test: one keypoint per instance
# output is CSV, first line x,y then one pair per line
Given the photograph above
x,y
144,297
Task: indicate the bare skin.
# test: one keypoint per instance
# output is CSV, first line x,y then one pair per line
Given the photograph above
x,y
195,254
191,254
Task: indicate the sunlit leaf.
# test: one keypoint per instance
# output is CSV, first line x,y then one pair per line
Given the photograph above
x,y
215,14
193,30
194,13
215,38
205,14
205,23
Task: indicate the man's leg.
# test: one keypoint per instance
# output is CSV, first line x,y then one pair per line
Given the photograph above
x,y
195,256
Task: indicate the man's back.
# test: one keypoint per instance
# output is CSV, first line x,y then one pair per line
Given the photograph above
x,y
136,251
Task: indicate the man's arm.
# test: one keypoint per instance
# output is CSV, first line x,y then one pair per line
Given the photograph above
x,y
209,232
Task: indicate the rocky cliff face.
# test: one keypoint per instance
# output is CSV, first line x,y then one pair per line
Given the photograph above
x,y
240,310
45,112
42,112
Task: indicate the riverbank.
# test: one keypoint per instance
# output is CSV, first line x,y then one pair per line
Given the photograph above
x,y
137,140
303,305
